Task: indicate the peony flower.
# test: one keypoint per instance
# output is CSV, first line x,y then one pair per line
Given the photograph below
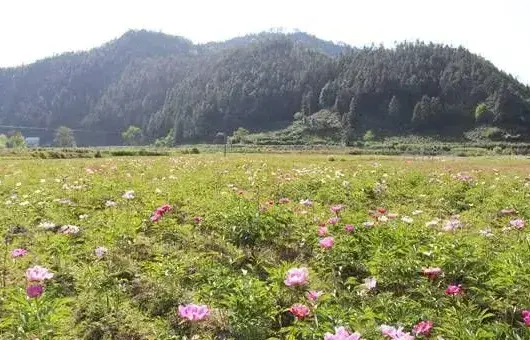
x,y
327,242
452,224
38,274
322,231
100,252
34,291
69,230
368,224
454,290
296,277
19,252
342,334
110,204
431,273
306,202
197,219
391,216
47,225
313,295
422,328
526,317
128,195
337,208
194,312
407,219
349,228
333,220
518,223
382,218
395,333
370,283
381,210
299,310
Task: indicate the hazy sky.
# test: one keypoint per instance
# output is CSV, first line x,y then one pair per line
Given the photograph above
x,y
497,30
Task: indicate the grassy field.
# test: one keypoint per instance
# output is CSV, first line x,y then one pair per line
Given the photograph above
x,y
268,247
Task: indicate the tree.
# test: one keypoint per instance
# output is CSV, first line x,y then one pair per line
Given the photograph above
x,y
239,134
132,136
165,142
350,120
16,141
64,137
482,114
3,141
394,108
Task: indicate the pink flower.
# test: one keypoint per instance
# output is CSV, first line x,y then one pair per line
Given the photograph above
x,y
422,328
323,231
296,277
156,217
454,290
327,242
313,295
284,200
518,223
306,202
333,220
452,224
349,228
342,334
431,273
19,252
299,311
197,219
160,211
336,208
38,274
381,210
34,291
194,312
526,317
395,333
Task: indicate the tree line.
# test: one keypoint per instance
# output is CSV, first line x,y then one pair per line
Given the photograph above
x,y
174,91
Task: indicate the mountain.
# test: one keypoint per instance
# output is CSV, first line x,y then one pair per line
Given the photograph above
x,y
164,84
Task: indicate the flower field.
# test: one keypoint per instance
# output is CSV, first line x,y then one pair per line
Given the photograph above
x,y
265,247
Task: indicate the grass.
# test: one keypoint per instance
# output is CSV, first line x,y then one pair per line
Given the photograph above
x,y
228,243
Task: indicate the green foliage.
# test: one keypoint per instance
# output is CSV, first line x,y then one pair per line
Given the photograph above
x,y
16,141
165,142
369,136
482,114
64,137
132,136
3,141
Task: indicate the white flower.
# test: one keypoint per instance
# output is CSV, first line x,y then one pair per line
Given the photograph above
x,y
109,204
100,252
370,283
382,218
158,191
417,212
83,217
24,203
407,219
47,225
42,180
432,223
486,233
129,195
368,224
69,229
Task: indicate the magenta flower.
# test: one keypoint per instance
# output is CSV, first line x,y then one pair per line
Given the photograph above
x,y
422,328
349,228
194,312
526,317
313,295
342,334
327,242
299,310
322,231
454,290
518,223
431,273
34,291
160,211
297,277
19,252
336,208
38,274
197,219
333,220
284,200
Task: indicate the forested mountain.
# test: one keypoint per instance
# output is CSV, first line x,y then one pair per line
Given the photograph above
x,y
163,83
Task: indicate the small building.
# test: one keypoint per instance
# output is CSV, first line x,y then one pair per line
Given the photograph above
x,y
32,142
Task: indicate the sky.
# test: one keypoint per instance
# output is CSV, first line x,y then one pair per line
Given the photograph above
x,y
497,30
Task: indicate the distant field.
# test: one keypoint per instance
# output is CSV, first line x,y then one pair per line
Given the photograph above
x,y
386,241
